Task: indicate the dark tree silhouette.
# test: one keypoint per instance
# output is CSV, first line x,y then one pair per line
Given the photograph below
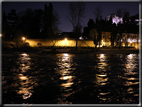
x,y
75,15
5,30
98,13
12,20
49,22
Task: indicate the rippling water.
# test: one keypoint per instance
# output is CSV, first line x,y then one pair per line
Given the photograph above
x,y
70,78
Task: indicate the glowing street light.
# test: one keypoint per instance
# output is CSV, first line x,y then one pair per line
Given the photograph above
x,y
65,39
23,38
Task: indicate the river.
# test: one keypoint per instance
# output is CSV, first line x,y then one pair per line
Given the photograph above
x,y
34,78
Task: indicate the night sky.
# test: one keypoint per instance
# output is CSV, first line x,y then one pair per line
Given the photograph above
x,y
62,9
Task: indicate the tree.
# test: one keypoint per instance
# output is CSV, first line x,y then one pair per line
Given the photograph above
x,y
49,21
13,21
91,24
5,26
98,13
75,14
28,23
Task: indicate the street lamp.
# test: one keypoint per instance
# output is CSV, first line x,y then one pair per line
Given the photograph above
x,y
65,39
24,39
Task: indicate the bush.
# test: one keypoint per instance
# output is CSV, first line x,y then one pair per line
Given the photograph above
x,y
8,44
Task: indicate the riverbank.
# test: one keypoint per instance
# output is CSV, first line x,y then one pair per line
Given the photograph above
x,y
46,50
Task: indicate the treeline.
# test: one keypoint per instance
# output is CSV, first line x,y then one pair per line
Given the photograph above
x,y
30,23
100,25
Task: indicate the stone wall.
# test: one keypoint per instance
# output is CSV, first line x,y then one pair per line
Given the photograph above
x,y
71,43
59,43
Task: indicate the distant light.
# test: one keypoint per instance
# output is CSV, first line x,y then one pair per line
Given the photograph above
x,y
0,35
81,38
65,54
130,41
23,38
134,40
102,55
65,39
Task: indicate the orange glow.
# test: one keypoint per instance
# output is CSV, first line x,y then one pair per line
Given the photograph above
x,y
23,38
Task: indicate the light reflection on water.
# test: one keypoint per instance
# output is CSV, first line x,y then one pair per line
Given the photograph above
x,y
26,87
65,70
95,78
102,77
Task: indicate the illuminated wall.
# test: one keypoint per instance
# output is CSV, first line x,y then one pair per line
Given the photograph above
x,y
59,43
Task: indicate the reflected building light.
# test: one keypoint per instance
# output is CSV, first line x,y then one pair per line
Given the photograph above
x,y
104,93
66,77
67,84
102,55
130,56
102,75
66,54
24,54
23,78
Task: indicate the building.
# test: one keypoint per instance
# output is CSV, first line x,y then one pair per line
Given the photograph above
x,y
115,19
130,40
127,40
106,39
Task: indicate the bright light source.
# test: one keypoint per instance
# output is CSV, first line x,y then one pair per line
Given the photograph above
x,y
65,54
102,55
0,35
81,38
23,38
130,41
65,39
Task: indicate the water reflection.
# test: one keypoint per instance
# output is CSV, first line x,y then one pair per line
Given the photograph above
x,y
102,77
65,70
26,82
130,77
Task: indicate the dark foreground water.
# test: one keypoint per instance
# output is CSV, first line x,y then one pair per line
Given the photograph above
x,y
70,78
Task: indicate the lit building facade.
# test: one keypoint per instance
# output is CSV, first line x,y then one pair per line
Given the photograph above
x,y
106,39
115,19
128,40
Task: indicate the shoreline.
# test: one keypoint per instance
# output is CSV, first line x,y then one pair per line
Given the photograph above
x,y
72,50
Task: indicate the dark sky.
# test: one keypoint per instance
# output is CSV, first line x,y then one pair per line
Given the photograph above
x,y
62,9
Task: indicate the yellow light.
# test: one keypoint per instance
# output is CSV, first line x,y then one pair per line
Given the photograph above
x,y
65,39
130,41
23,38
